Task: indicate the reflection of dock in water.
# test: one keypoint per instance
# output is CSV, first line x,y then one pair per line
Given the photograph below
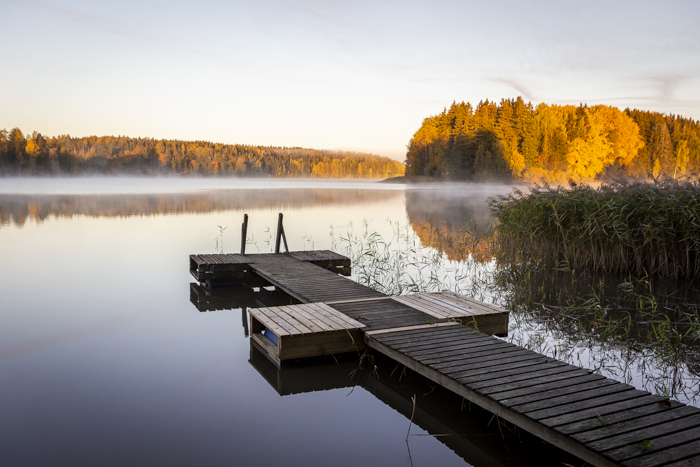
x,y
602,421
430,415
226,298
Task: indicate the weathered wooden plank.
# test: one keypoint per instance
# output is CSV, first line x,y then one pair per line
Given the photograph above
x,y
520,378
601,411
295,319
322,311
479,308
437,303
519,373
597,420
404,330
554,389
427,307
358,301
582,395
434,355
493,367
647,433
693,461
457,356
601,401
448,344
257,314
318,321
453,334
445,332
213,260
328,321
662,450
273,318
197,259
443,300
450,364
351,323
282,316
607,429
421,333
456,352
477,303
511,385
486,359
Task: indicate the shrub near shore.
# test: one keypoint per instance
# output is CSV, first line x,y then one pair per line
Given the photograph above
x,y
622,227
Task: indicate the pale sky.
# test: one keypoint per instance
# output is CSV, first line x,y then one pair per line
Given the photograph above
x,y
355,75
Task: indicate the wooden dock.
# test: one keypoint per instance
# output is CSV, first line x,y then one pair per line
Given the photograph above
x,y
600,420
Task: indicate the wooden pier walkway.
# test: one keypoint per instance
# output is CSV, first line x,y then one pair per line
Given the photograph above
x,y
305,281
600,420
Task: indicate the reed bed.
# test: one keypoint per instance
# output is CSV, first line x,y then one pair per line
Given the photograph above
x,y
643,229
639,331
402,264
645,332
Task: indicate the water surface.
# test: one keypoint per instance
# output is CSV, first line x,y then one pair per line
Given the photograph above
x,y
106,361
110,356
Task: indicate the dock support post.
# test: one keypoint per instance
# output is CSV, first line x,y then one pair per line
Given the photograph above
x,y
280,236
244,233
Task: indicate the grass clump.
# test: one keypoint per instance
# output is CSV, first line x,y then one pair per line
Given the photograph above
x,y
623,227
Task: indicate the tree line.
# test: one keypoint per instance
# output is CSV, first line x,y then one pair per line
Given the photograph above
x,y
516,140
35,154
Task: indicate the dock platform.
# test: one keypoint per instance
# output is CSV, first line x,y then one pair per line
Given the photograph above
x,y
602,421
308,330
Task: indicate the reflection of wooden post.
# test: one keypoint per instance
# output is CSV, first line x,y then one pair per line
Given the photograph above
x,y
244,313
244,233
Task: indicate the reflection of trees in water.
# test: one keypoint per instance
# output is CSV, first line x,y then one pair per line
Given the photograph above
x,y
455,220
640,332
16,209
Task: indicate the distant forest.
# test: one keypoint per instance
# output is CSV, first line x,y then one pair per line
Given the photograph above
x,y
36,155
553,143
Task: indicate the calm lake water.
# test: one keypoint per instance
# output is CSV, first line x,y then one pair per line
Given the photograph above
x,y
106,359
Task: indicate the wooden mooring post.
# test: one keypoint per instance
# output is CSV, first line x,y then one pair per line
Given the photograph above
x,y
244,233
280,236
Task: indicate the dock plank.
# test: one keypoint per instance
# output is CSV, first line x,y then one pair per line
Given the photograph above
x,y
647,433
625,426
579,401
294,321
684,443
600,412
693,461
559,389
273,318
596,421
